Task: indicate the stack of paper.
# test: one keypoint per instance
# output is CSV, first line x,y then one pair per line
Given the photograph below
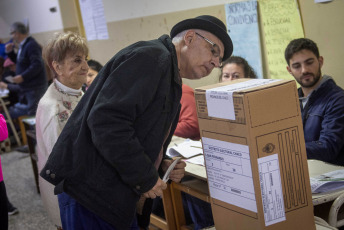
x,y
189,149
328,181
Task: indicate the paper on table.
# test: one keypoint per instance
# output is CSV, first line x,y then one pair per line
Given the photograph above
x,y
169,170
198,160
187,149
328,181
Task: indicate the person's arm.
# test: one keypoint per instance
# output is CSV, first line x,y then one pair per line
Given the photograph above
x,y
331,138
9,48
48,129
10,87
127,92
3,128
188,123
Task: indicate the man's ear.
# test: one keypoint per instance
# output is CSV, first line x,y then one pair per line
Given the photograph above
x,y
321,61
289,70
189,37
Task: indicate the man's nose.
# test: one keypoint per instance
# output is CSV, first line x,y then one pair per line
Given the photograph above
x,y
304,68
215,61
85,65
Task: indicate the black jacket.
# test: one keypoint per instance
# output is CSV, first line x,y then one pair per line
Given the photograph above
x,y
104,157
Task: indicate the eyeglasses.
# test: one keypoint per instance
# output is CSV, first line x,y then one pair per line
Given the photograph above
x,y
215,50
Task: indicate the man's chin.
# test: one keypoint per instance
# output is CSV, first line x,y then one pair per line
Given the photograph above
x,y
308,84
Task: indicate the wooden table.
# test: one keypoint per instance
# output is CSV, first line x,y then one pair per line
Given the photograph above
x,y
198,187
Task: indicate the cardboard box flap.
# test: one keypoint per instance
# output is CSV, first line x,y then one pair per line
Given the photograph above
x,y
246,85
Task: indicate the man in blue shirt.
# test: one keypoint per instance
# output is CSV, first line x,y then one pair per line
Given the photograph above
x,y
321,101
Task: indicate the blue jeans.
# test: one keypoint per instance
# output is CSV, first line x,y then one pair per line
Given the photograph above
x,y
76,217
29,108
200,211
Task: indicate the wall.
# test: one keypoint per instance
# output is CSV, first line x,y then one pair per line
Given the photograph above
x,y
123,33
133,20
324,23
36,11
128,21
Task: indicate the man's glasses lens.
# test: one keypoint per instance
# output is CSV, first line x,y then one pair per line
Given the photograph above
x,y
215,50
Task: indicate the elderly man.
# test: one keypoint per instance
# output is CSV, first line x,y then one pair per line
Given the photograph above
x,y
30,80
321,101
107,160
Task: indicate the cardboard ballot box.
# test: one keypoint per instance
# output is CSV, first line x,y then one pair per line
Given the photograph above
x,y
255,155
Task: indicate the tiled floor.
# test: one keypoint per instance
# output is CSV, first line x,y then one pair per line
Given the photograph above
x,y
21,190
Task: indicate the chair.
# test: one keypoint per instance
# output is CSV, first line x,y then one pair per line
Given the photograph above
x,y
169,222
4,104
22,129
29,125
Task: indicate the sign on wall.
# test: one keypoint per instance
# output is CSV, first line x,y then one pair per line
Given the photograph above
x,y
281,24
242,25
93,17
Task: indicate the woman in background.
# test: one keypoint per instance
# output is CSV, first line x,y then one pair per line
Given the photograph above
x,y
93,71
236,67
66,56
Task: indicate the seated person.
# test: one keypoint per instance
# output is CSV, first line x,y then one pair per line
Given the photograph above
x,y
321,102
187,126
236,67
30,79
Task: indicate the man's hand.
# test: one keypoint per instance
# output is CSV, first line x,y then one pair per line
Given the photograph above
x,y
9,47
3,85
18,79
156,190
178,172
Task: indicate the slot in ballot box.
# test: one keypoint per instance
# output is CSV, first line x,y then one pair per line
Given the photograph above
x,y
255,155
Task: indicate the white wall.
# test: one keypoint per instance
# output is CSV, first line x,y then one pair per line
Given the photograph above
x,y
117,10
36,11
42,20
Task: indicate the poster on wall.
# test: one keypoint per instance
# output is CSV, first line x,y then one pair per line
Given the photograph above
x,y
281,24
242,26
93,17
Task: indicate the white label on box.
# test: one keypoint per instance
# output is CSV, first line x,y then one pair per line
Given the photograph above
x,y
220,104
229,173
271,189
220,100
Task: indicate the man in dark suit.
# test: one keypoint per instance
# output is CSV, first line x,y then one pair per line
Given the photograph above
x,y
30,80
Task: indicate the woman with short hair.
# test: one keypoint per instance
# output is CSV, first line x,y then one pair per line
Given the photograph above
x,y
66,57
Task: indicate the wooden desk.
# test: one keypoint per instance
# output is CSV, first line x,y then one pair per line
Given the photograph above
x,y
319,226
199,188
336,197
169,223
